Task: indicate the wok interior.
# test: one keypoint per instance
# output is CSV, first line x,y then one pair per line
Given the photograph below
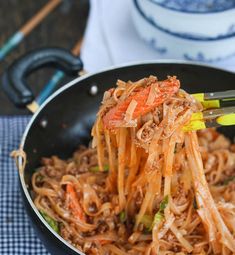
x,y
65,122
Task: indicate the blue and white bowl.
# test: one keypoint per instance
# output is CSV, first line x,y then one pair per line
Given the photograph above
x,y
171,45
191,18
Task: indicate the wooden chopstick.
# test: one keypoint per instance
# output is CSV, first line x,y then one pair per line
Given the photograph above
x,y
14,40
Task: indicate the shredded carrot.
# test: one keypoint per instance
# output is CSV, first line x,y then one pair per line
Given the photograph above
x,y
102,242
165,90
73,202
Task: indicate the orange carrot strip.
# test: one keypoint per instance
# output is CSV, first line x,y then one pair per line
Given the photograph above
x,y
73,202
166,89
102,242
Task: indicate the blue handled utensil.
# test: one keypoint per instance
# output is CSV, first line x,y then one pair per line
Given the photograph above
x,y
56,78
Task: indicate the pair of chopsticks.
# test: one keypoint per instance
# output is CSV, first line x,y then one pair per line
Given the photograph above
x,y
18,37
27,28
219,110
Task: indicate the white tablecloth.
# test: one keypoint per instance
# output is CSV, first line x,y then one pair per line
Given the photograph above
x,y
111,38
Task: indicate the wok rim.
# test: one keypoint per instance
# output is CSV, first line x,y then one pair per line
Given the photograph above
x,y
62,89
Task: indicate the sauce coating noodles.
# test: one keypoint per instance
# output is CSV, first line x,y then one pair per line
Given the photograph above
x,y
143,186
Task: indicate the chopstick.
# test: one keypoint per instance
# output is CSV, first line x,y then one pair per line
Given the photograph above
x,y
219,110
14,40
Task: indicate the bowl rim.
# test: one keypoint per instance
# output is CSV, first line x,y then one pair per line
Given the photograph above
x,y
178,35
192,12
59,91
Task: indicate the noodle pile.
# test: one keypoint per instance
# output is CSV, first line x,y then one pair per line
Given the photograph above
x,y
144,186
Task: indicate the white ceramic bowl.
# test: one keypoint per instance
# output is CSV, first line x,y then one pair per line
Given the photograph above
x,y
205,25
173,46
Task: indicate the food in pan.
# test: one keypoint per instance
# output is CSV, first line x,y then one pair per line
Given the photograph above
x,y
144,185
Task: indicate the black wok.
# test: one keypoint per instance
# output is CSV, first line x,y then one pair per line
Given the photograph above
x,y
64,121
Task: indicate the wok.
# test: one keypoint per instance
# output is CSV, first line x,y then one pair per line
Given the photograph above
x,y
64,120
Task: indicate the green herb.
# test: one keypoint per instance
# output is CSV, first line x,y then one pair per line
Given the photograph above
x,y
228,180
96,169
195,203
52,223
122,216
39,178
147,220
159,216
163,204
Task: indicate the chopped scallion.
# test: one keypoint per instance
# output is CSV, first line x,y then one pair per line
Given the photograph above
x,y
96,169
159,216
147,220
52,223
39,178
122,216
163,204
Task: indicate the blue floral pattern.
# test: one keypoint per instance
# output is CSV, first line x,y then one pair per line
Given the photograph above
x,y
167,50
153,43
201,6
230,31
201,58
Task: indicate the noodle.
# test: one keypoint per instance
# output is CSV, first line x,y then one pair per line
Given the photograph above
x,y
145,186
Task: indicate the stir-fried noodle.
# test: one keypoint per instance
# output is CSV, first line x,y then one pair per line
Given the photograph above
x,y
144,186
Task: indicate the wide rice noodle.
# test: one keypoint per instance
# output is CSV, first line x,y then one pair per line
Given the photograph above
x,y
132,168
